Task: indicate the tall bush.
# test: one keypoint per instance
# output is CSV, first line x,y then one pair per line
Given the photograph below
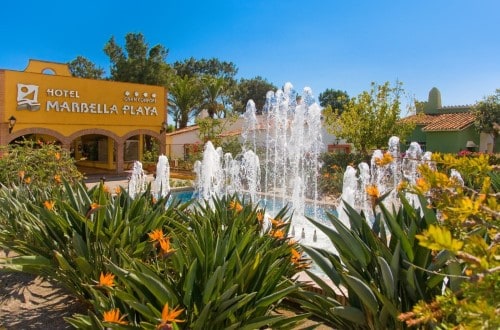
x,y
37,164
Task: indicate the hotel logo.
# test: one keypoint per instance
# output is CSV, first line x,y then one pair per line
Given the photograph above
x,y
27,97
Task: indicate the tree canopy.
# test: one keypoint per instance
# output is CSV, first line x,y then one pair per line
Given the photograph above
x,y
336,99
184,99
212,67
371,118
488,115
251,89
83,68
136,64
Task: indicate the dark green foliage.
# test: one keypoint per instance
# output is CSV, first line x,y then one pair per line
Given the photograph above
x,y
251,89
335,99
137,63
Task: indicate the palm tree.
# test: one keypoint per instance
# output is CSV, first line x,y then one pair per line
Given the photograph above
x,y
185,95
214,88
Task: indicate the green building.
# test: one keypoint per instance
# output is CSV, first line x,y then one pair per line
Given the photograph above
x,y
448,129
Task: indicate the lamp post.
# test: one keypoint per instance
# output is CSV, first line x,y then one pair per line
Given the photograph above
x,y
12,123
164,127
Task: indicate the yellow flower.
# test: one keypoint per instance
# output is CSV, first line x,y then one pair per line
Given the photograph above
x,y
113,316
165,246
386,159
422,185
94,205
58,155
169,316
49,205
372,191
57,179
403,185
234,205
156,235
107,280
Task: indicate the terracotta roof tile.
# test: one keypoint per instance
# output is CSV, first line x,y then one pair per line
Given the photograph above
x,y
419,119
183,130
450,122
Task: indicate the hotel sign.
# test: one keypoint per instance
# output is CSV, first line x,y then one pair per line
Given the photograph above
x,y
57,100
61,99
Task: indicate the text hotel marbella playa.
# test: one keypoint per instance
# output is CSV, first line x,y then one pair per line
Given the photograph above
x,y
103,124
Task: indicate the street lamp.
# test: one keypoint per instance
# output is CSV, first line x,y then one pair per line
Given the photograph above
x,y
12,123
164,127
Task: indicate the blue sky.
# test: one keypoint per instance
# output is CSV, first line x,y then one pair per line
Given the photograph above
x,y
453,45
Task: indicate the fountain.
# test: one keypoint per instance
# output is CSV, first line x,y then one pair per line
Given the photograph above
x,y
290,141
386,172
219,174
286,173
161,182
137,182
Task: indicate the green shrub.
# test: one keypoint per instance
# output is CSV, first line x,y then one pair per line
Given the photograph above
x,y
33,164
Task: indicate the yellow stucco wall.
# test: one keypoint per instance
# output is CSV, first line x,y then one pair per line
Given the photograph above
x,y
67,105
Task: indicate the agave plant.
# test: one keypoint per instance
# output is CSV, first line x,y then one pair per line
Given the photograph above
x,y
220,271
379,270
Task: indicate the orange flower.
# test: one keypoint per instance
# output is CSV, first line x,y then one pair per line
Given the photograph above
x,y
165,246
107,280
156,235
105,189
386,159
295,256
49,205
57,155
93,208
260,215
234,205
372,191
57,178
113,316
21,174
153,199
278,234
277,223
169,316
118,190
27,180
